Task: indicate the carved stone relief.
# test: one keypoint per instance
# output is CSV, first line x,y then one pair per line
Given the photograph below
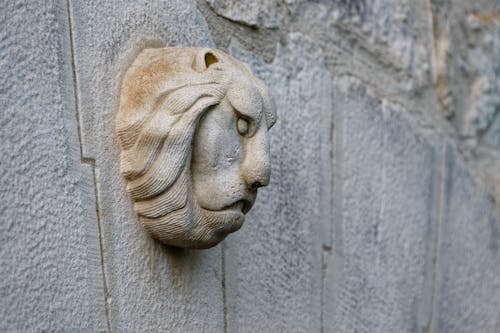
x,y
193,131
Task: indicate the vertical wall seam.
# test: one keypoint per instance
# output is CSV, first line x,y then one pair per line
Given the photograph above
x,y
438,216
324,264
327,253
88,161
337,247
439,233
223,279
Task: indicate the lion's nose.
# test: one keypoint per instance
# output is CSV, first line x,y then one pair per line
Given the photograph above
x,y
258,175
262,179
256,166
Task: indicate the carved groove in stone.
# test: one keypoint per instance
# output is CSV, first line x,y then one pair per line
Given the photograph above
x,y
193,130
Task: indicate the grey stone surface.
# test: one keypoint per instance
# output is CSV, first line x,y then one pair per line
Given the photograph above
x,y
273,264
466,57
387,41
378,277
397,26
150,287
469,270
472,62
484,66
254,13
261,41
50,267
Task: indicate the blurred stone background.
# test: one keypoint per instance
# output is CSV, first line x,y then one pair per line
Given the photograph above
x,y
382,212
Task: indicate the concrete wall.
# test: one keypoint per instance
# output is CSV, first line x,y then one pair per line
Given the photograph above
x,y
380,215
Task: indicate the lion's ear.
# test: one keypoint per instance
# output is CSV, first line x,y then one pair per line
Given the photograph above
x,y
204,59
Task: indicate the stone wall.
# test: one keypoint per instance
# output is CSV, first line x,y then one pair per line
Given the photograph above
x,y
381,214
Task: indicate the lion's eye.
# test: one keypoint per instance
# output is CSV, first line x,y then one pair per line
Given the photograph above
x,y
242,126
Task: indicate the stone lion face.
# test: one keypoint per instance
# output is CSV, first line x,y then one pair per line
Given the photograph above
x,y
193,130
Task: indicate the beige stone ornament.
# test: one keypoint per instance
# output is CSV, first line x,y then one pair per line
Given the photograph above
x,y
193,131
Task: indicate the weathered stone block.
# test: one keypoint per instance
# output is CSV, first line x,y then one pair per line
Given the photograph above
x,y
373,36
378,276
260,13
479,109
467,54
468,298
50,267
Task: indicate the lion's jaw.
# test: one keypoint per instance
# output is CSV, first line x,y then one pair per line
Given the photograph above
x,y
193,226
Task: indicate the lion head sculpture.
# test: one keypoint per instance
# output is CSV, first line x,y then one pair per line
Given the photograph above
x,y
193,130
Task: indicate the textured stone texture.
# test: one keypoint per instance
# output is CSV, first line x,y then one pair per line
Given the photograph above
x,y
50,267
378,277
484,60
150,287
469,269
255,13
470,81
479,121
273,264
389,38
392,24
475,38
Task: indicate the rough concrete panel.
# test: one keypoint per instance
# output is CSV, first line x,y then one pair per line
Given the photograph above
x,y
273,264
150,287
261,13
378,278
50,266
469,272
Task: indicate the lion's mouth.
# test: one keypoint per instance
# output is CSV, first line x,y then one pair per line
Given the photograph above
x,y
242,205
